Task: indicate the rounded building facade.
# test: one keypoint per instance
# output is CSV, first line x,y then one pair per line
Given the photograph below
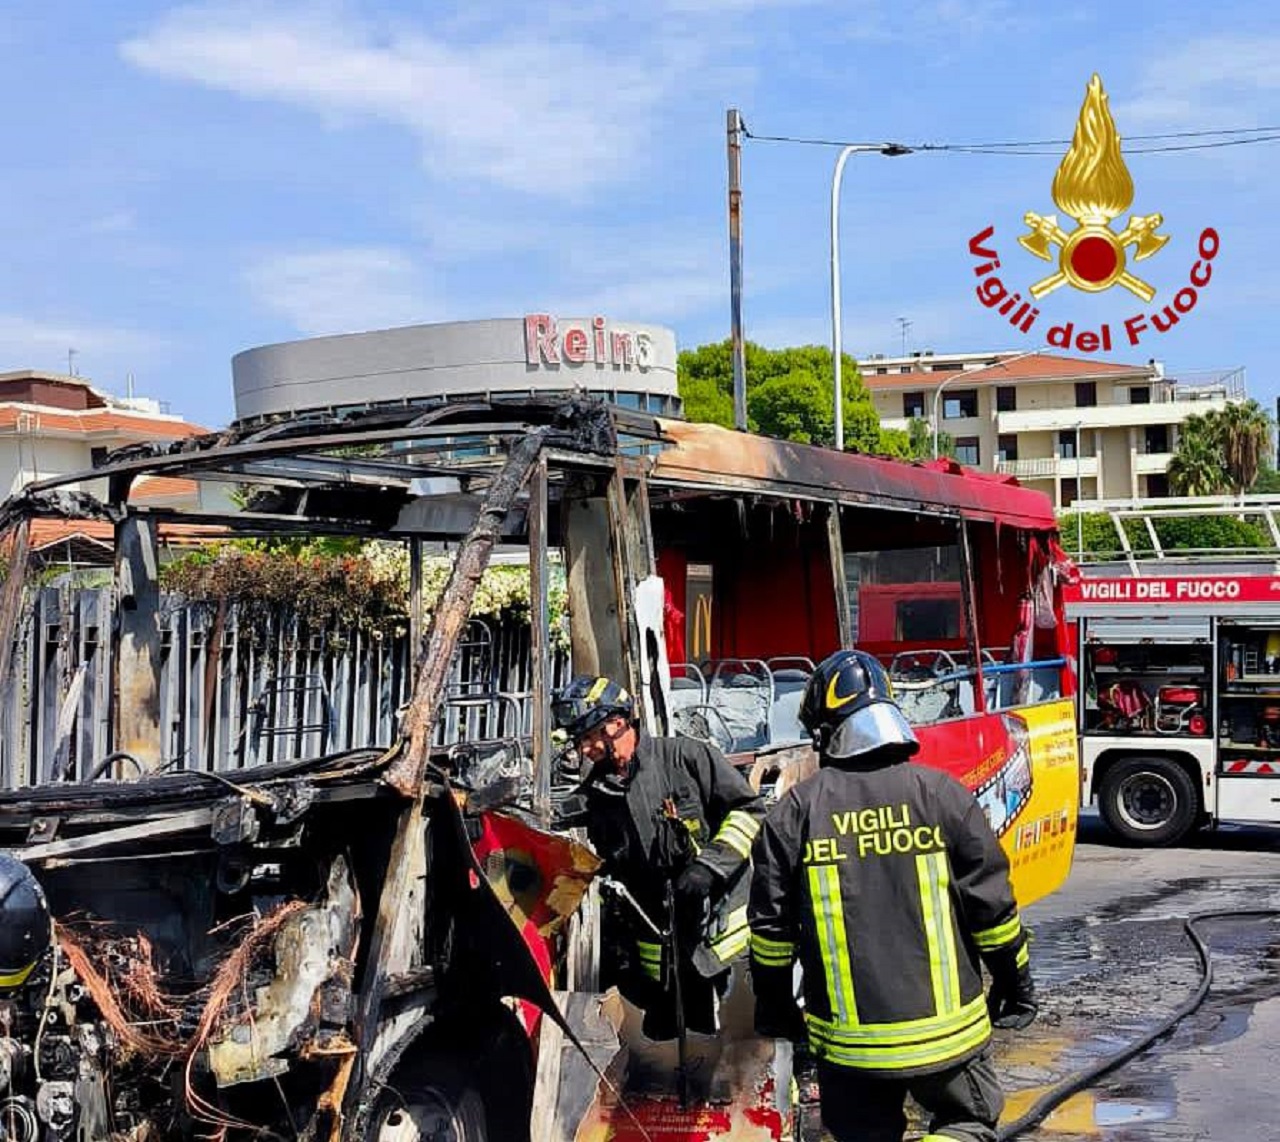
x,y
629,363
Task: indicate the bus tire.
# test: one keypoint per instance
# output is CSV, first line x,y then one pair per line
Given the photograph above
x,y
435,1099
1148,800
459,1083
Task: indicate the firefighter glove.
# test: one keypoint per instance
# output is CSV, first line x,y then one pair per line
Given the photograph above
x,y
693,891
1012,1000
779,1017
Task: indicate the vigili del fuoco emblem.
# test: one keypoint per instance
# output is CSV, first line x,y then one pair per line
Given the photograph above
x,y
1093,186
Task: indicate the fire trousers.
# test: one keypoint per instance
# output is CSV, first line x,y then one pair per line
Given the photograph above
x,y
964,1103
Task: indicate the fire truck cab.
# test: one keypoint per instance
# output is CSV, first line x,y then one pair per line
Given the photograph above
x,y
1179,701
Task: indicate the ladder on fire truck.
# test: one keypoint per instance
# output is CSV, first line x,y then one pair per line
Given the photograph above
x,y
1261,509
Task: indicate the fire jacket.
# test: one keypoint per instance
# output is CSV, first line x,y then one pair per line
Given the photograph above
x,y
687,783
888,885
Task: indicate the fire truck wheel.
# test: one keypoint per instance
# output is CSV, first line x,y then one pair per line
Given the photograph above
x,y
1148,800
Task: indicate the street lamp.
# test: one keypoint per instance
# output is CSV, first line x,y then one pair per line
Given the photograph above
x,y
892,150
937,405
969,375
1079,498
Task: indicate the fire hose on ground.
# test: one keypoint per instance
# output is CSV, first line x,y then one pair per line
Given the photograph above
x,y
1083,1079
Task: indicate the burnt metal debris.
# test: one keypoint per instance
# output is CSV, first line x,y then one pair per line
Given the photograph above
x,y
260,950
317,948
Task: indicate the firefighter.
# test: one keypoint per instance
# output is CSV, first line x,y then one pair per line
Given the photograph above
x,y
666,811
25,929
885,882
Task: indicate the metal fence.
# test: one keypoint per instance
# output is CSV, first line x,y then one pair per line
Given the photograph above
x,y
236,693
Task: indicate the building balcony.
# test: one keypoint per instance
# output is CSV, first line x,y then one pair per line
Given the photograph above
x,y
1103,416
1047,467
1151,463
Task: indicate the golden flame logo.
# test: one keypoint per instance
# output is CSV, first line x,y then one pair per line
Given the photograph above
x,y
1093,186
1092,183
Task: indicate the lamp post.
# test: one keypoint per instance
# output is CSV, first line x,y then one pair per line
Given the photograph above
x,y
937,405
969,375
1079,498
892,150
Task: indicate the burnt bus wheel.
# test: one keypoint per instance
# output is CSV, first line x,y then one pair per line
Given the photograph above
x,y
435,1101
465,1081
1148,800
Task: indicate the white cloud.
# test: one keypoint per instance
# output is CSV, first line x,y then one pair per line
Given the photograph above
x,y
522,109
32,341
665,297
940,324
633,274
343,290
115,222
726,7
1227,80
103,354
941,22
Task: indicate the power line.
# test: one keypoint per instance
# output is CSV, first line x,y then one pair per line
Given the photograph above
x,y
1140,138
1009,149
1240,136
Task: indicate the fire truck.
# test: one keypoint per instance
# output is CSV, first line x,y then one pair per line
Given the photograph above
x,y
1179,701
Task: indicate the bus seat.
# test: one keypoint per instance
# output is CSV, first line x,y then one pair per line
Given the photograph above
x,y
704,723
741,691
924,706
991,685
1046,684
688,686
1007,689
788,690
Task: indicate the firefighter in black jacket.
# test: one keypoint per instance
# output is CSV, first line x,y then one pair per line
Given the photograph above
x,y
885,881
666,810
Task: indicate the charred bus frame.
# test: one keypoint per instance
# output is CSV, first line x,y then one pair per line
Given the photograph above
x,y
780,518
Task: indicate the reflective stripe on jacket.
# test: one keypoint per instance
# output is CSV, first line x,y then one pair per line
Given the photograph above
x,y
889,887
722,814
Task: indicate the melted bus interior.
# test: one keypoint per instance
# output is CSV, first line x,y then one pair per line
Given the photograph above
x,y
754,584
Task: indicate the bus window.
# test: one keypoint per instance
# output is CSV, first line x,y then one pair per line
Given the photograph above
x,y
906,594
927,620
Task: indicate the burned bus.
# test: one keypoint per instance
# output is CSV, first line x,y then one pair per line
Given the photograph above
x,y
380,932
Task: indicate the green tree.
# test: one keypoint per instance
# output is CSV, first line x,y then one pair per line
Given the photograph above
x,y
1198,467
790,394
793,406
915,442
705,402
1243,433
1221,451
896,442
1267,482
1176,533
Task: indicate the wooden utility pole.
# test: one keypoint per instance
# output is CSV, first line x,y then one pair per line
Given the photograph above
x,y
735,130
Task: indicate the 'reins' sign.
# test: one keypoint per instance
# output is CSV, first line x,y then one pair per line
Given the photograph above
x,y
551,343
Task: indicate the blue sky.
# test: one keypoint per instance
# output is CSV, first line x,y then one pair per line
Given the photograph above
x,y
188,180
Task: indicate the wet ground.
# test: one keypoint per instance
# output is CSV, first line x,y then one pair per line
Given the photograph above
x,y
1112,960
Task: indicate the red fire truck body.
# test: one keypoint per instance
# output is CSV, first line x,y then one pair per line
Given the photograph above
x,y
1179,701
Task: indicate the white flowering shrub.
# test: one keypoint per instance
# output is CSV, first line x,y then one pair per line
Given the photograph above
x,y
365,585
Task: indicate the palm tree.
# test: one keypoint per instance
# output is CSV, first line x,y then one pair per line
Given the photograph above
x,y
1198,467
1243,433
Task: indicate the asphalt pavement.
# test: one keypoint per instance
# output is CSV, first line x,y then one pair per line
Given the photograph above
x,y
1112,959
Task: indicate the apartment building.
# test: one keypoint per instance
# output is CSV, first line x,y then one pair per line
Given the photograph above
x,y
1070,427
52,424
